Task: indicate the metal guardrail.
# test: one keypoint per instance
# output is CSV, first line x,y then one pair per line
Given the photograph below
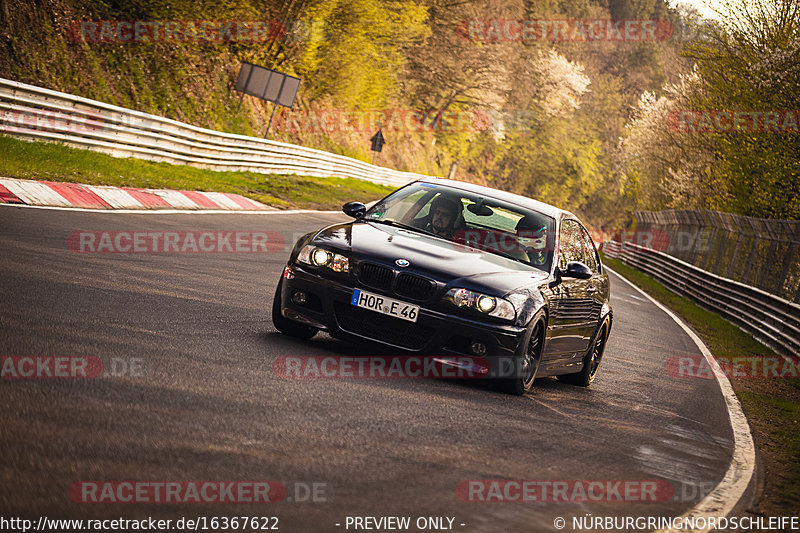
x,y
32,112
773,321
763,253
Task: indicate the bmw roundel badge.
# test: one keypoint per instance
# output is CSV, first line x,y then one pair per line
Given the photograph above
x,y
402,263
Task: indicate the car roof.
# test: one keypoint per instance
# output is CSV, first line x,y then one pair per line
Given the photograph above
x,y
516,199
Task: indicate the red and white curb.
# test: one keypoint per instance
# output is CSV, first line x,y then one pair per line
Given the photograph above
x,y
48,193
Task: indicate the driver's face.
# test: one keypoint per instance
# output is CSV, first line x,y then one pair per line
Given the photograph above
x,y
442,219
536,240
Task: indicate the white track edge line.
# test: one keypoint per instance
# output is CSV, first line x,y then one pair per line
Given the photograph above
x,y
722,500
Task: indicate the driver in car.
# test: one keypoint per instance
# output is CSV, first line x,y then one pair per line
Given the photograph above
x,y
532,239
444,212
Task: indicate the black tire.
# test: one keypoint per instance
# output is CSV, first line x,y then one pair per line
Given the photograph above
x,y
592,359
527,361
285,325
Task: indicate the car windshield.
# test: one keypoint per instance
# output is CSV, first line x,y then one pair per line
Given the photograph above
x,y
469,219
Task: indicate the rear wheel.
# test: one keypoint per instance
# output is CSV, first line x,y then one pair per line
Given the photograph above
x,y
527,363
591,361
285,325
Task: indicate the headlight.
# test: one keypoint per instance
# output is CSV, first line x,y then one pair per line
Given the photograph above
x,y
483,303
320,257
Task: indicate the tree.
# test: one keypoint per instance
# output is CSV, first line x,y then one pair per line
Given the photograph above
x,y
665,167
354,54
751,63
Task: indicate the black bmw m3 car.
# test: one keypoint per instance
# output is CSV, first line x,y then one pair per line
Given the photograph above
x,y
448,269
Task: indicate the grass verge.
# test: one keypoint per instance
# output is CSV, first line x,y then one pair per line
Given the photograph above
x,y
772,405
58,162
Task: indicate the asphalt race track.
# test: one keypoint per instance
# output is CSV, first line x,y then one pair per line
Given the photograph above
x,y
202,401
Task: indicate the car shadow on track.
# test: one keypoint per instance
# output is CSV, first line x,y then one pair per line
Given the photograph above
x,y
324,345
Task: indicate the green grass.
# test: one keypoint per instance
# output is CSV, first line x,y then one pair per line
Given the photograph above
x,y
57,162
784,438
772,405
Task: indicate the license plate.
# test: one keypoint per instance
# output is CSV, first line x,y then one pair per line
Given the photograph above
x,y
384,305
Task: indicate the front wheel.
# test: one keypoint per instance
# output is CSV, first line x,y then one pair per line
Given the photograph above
x,y
285,325
527,363
591,361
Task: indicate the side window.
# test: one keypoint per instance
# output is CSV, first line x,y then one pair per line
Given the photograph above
x,y
570,247
589,251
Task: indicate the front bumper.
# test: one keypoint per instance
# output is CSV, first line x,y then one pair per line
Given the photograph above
x,y
328,307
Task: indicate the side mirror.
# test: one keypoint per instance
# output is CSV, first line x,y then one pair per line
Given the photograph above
x,y
354,209
576,269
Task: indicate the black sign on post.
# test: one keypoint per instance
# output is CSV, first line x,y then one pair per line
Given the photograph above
x,y
377,141
270,85
377,144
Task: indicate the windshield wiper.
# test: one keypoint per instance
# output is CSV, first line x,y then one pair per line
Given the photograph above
x,y
514,258
503,254
390,222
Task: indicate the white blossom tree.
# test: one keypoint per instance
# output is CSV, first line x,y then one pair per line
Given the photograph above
x,y
666,165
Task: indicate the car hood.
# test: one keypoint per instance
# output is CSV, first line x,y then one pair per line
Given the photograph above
x,y
447,262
